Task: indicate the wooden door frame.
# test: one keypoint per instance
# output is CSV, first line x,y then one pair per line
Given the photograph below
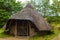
x,y
26,27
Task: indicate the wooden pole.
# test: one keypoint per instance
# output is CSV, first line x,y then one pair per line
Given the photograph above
x,y
10,26
16,29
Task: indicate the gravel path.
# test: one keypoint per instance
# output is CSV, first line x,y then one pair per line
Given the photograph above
x,y
14,38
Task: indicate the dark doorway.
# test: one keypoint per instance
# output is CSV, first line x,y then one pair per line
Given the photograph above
x,y
22,28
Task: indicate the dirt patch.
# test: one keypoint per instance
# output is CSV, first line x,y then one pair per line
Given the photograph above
x,y
14,38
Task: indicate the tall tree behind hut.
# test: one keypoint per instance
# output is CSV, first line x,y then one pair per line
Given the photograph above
x,y
42,6
7,8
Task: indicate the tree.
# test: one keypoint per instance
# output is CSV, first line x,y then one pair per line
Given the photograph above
x,y
7,8
42,6
56,7
10,5
4,15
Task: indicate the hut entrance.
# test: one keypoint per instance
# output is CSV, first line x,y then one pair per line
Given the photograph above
x,y
22,28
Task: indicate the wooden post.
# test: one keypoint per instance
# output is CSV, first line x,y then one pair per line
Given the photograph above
x,y
10,27
31,30
16,29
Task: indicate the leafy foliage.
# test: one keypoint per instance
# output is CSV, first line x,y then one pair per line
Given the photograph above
x,y
7,8
4,15
42,6
54,19
46,8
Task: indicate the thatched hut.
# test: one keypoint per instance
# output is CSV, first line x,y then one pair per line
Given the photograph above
x,y
27,22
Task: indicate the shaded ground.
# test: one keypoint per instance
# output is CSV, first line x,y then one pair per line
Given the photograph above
x,y
14,38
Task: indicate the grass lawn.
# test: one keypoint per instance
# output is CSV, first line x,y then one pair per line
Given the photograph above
x,y
2,34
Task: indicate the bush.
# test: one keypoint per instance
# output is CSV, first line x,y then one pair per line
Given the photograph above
x,y
55,19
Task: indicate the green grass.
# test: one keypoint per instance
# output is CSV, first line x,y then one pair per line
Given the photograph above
x,y
2,34
56,31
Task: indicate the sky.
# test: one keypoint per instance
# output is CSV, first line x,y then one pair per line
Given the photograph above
x,y
22,0
51,2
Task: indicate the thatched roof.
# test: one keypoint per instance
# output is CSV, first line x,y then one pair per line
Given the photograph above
x,y
29,13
